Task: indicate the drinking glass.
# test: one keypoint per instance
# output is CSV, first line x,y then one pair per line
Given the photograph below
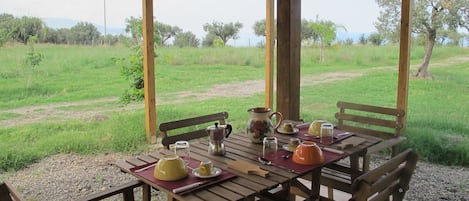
x,y
270,146
182,149
326,133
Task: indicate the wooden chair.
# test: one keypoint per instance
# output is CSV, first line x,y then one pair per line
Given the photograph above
x,y
190,122
126,189
381,122
7,193
388,180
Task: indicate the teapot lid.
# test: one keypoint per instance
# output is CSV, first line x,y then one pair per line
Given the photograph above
x,y
215,127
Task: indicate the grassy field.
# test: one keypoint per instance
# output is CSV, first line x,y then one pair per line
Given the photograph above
x,y
438,113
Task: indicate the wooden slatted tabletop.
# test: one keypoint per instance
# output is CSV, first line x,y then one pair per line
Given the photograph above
x,y
243,186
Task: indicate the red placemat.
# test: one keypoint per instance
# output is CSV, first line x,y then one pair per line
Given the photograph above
x,y
338,135
287,163
190,179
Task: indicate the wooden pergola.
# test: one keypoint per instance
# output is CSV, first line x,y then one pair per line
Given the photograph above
x,y
288,60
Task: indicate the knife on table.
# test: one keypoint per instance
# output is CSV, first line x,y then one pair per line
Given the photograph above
x,y
187,187
264,160
332,150
144,168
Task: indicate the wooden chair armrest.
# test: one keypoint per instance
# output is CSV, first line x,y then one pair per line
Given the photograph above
x,y
129,186
385,144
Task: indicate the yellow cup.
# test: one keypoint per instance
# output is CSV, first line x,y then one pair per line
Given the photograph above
x,y
205,168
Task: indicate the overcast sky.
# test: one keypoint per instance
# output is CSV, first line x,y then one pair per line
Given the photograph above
x,y
190,15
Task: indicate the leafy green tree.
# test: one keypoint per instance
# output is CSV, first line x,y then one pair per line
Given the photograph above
x,y
186,39
362,39
50,35
7,27
132,68
323,32
430,17
166,31
32,58
27,27
217,42
376,39
84,33
134,27
64,36
223,31
260,28
306,31
208,40
133,73
348,41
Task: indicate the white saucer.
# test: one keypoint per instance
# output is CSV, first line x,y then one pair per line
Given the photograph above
x,y
215,172
285,146
295,130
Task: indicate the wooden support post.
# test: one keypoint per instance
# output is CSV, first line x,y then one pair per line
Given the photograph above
x,y
288,58
269,54
404,57
149,71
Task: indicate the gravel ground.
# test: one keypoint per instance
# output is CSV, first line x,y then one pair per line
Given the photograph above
x,y
71,176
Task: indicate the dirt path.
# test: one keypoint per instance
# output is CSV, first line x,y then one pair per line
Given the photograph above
x,y
88,109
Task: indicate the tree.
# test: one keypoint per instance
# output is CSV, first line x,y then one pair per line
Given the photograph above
x,y
7,27
323,32
134,27
84,33
32,58
223,31
362,40
186,39
260,28
430,17
63,36
165,31
27,27
306,31
208,40
376,39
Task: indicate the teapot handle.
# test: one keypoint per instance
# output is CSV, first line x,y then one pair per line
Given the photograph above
x,y
279,117
228,130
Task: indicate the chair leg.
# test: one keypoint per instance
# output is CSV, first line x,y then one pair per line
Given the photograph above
x,y
146,192
366,163
128,195
330,192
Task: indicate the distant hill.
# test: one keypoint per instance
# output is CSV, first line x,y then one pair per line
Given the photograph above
x,y
57,23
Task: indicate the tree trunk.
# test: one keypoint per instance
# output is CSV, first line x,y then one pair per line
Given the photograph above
x,y
423,69
321,52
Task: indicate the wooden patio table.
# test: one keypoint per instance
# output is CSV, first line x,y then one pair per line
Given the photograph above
x,y
275,186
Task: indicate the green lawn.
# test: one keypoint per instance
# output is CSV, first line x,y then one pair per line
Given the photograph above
x,y
437,115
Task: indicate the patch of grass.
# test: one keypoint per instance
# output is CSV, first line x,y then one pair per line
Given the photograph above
x,y
66,73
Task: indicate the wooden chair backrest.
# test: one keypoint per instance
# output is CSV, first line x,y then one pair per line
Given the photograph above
x,y
390,179
7,193
190,122
382,122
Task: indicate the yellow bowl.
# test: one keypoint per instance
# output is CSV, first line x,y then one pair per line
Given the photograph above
x,y
315,127
170,168
308,153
